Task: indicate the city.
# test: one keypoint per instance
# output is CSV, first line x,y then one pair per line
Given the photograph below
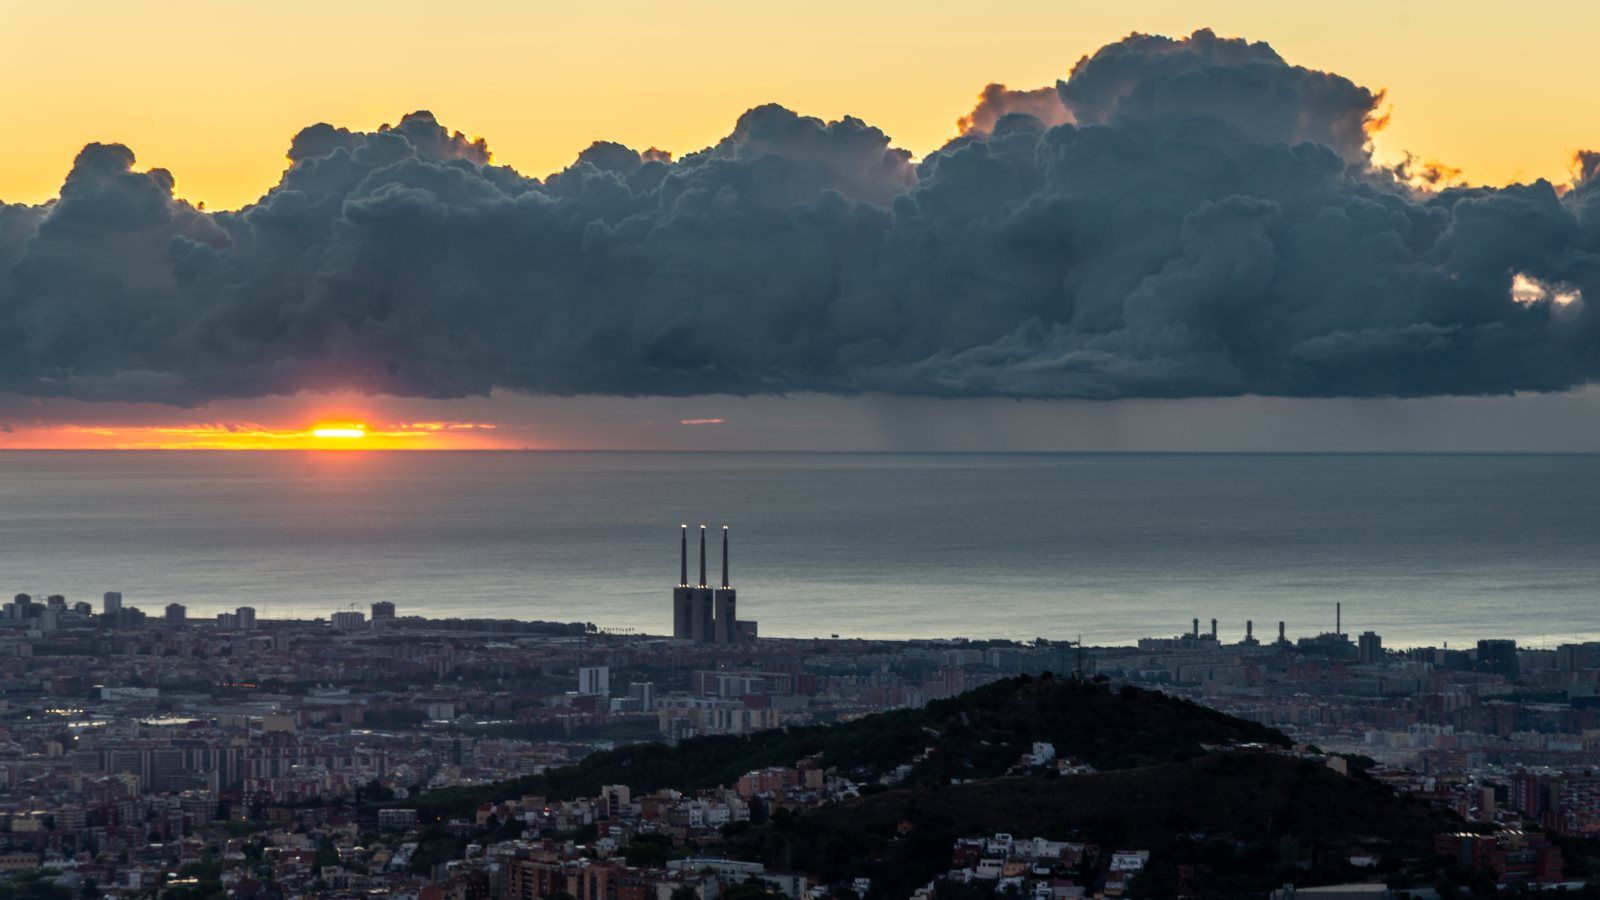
x,y
321,757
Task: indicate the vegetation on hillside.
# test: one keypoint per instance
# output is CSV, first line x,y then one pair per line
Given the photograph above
x,y
1244,821
978,734
1239,821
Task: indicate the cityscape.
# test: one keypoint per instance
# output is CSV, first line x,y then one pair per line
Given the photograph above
x,y
373,752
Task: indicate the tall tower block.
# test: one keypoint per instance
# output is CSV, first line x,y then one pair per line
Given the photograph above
x,y
682,595
726,627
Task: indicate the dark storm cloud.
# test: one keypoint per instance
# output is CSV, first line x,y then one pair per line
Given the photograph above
x,y
1205,220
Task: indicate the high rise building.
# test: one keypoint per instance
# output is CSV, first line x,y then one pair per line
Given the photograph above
x,y
247,618
1498,657
383,609
111,603
1577,657
1369,647
177,614
643,693
594,681
349,620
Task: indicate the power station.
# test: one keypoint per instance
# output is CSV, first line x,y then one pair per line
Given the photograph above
x,y
700,613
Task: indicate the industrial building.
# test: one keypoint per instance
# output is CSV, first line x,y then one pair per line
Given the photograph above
x,y
700,613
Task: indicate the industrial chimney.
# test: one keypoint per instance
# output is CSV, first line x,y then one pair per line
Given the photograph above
x,y
683,594
702,556
725,614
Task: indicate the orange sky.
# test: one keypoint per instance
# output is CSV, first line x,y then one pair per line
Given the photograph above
x,y
213,91
319,434
337,421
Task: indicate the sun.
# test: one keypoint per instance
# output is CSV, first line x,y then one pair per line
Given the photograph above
x,y
340,432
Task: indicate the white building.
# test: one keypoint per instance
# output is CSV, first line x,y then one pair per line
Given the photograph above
x,y
129,693
349,620
594,681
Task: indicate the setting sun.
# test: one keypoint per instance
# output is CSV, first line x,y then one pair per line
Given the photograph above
x,y
285,430
339,431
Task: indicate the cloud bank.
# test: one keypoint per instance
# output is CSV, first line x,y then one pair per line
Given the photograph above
x,y
1178,217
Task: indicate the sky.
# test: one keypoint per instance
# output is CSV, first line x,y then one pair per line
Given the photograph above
x,y
213,93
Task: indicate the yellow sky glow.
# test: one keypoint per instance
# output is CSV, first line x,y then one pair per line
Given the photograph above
x,y
213,91
249,436
346,432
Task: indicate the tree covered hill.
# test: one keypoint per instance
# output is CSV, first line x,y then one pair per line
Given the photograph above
x,y
1244,822
978,734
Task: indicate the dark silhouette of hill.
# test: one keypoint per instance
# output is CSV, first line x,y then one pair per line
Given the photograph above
x,y
1247,821
1198,788
979,734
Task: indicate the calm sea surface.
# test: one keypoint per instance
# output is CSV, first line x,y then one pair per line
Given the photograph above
x,y
1421,549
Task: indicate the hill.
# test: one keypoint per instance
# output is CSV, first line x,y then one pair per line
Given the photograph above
x,y
1245,821
978,734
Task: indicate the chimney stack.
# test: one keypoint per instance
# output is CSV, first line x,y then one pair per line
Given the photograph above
x,y
683,560
1281,639
1338,618
1249,629
702,556
725,556
1196,632
1213,629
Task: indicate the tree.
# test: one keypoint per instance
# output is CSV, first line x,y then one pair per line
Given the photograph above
x,y
754,889
327,855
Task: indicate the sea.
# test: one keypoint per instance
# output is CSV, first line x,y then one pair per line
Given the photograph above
x,y
1422,549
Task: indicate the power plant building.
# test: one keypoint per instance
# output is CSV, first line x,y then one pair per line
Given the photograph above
x,y
703,614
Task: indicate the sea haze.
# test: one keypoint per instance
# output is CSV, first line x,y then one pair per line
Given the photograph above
x,y
1422,549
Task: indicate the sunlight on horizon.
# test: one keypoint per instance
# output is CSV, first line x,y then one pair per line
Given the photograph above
x,y
339,432
338,436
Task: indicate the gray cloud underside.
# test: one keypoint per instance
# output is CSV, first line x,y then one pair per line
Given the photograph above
x,y
1202,219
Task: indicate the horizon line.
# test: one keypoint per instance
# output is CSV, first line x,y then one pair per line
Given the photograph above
x,y
771,451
